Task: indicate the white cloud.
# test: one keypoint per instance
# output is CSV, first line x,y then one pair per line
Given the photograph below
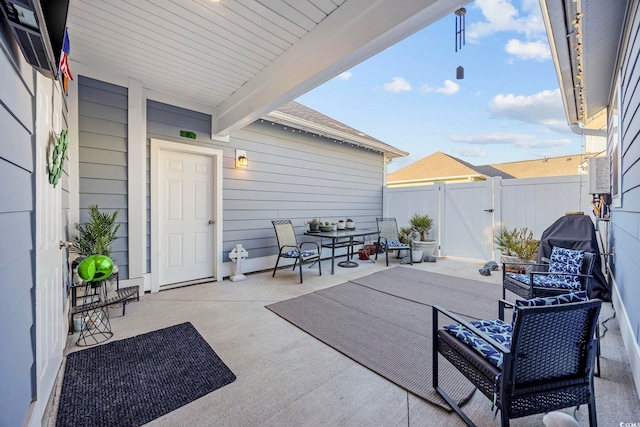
x,y
344,76
471,152
543,108
506,138
449,88
501,15
528,50
396,85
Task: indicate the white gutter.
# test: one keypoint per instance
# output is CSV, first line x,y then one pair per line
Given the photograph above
x,y
288,120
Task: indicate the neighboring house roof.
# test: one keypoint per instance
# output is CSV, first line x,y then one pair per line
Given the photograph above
x,y
296,115
441,167
436,166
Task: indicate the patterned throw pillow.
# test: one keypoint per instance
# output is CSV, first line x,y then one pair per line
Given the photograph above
x,y
496,329
566,261
395,244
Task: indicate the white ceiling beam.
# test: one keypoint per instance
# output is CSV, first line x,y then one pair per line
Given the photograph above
x,y
355,31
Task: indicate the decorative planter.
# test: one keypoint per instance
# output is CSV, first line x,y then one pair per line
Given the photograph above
x,y
313,226
341,225
416,255
351,224
326,228
428,246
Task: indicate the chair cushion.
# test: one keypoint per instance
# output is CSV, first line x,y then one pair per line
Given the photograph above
x,y
394,243
295,254
566,261
554,300
496,329
549,280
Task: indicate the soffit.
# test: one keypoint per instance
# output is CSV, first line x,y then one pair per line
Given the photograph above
x,y
589,49
240,58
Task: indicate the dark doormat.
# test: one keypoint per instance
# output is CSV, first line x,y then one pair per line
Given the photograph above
x,y
136,380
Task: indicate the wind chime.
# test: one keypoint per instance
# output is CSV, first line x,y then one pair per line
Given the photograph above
x,y
460,37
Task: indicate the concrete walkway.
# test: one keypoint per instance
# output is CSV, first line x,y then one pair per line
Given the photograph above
x,y
288,378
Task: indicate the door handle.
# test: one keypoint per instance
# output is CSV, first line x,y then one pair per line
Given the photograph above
x,y
62,244
488,210
211,222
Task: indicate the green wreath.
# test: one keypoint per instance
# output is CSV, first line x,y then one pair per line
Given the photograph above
x,y
57,159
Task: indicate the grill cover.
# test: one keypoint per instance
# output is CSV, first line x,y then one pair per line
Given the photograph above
x,y
576,232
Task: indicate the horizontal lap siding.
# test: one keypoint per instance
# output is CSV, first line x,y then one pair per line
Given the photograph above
x,y
102,110
625,221
294,175
16,230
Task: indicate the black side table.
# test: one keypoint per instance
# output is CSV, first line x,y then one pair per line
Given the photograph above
x,y
93,314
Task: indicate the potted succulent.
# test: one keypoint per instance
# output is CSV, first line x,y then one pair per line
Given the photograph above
x,y
314,224
341,225
517,246
350,224
420,227
325,226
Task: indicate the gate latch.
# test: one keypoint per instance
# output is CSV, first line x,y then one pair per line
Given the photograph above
x,y
488,210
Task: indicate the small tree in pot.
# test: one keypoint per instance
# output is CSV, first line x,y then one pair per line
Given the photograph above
x,y
517,245
421,226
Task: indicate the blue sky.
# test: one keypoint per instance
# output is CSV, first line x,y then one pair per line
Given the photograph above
x,y
508,106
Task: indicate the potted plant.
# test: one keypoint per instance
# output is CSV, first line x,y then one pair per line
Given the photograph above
x,y
341,225
516,245
404,236
314,224
350,224
95,237
421,226
325,226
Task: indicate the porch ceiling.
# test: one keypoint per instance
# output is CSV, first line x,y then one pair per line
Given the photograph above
x,y
584,36
240,59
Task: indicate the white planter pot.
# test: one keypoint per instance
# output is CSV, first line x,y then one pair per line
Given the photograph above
x,y
428,246
416,255
351,224
341,226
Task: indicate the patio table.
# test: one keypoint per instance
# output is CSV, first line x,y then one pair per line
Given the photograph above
x,y
341,239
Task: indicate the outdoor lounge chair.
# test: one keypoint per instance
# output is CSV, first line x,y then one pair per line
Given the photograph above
x,y
288,247
389,238
541,362
567,270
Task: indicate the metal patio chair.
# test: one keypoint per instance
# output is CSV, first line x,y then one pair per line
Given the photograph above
x,y
542,362
288,247
389,238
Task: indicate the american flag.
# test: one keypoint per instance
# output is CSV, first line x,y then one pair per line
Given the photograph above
x,y
64,57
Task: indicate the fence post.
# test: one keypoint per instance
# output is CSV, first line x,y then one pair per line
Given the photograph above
x,y
496,218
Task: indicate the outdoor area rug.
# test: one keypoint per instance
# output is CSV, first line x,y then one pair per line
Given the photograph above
x,y
383,322
136,380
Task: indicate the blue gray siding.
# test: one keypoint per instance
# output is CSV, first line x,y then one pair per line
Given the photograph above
x,y
625,221
102,118
292,175
17,269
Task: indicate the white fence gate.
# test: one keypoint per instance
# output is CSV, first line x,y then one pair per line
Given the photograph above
x,y
466,215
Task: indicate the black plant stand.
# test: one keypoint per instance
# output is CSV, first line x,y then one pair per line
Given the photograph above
x,y
95,327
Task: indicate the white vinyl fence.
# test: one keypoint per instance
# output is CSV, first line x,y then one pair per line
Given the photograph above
x,y
466,215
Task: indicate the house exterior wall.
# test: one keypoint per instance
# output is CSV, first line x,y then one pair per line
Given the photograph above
x,y
625,218
292,175
17,269
102,121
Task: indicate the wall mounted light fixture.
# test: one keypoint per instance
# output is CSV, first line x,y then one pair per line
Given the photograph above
x,y
241,159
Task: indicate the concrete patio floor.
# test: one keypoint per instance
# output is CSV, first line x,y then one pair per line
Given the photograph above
x,y
288,378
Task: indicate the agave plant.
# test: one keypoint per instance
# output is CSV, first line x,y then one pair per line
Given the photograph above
x,y
96,235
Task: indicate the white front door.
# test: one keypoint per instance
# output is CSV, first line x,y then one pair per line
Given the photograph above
x,y
185,208
49,293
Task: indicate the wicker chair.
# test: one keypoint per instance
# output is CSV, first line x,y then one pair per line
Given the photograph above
x,y
389,238
288,247
548,365
521,284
